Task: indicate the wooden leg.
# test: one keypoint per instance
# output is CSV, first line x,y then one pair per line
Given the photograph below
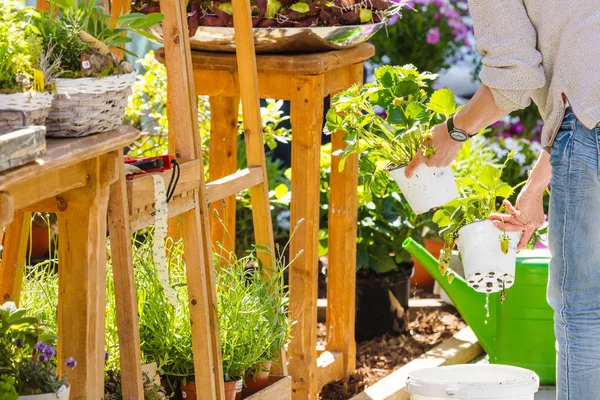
x,y
341,272
125,298
13,257
82,282
202,303
306,119
223,151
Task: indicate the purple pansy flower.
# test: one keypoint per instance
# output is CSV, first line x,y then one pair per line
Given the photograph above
x,y
19,343
42,357
71,363
517,128
41,346
433,36
105,355
49,352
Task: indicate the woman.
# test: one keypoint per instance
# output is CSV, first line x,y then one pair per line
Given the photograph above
x,y
548,51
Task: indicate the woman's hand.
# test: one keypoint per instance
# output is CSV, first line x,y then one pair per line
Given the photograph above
x,y
525,216
445,150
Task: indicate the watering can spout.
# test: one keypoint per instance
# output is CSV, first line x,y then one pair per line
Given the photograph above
x,y
468,302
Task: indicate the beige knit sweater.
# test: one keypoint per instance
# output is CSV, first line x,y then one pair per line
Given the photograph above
x,y
545,50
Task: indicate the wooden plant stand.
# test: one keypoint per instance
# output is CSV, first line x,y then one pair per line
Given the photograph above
x,y
305,80
73,180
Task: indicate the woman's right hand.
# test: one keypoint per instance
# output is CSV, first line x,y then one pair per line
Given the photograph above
x,y
525,216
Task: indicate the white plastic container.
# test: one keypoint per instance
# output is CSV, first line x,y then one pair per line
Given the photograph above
x,y
487,268
63,394
473,382
429,187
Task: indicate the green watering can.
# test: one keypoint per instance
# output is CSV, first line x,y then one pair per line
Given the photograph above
x,y
519,332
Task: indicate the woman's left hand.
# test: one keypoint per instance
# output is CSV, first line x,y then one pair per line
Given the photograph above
x,y
444,147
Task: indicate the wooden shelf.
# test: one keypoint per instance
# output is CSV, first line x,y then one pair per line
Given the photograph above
x,y
279,389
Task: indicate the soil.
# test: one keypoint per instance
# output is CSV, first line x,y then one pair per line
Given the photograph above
x,y
381,356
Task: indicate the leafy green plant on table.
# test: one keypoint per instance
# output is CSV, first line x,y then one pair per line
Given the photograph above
x,y
481,195
391,118
82,31
27,357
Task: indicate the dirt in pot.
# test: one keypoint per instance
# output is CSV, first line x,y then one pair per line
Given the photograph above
x,y
382,302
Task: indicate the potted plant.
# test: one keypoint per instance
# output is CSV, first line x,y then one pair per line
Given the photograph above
x,y
25,72
27,361
488,254
113,389
391,119
93,87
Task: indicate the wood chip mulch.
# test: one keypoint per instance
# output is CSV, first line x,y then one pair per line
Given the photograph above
x,y
381,356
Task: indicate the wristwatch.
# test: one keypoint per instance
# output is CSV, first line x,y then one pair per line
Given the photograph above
x,y
456,134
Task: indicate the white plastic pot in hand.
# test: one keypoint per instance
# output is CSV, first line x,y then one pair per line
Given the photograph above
x,y
429,187
473,381
487,268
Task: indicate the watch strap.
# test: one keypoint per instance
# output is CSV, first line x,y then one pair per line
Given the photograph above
x,y
451,127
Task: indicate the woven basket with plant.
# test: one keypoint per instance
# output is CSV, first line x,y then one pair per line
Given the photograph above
x,y
25,70
93,85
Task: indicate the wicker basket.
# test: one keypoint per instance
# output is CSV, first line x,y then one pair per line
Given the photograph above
x,y
35,105
85,106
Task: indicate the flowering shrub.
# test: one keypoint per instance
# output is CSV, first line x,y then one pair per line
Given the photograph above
x,y
430,34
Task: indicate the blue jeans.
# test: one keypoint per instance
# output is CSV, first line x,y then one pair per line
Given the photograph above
x,y
574,239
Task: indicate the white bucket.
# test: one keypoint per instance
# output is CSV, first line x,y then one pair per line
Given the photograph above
x,y
429,187
473,382
487,268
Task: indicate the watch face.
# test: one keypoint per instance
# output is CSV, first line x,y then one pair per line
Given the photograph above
x,y
459,136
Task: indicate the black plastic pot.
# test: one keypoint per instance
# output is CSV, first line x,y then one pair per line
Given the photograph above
x,y
382,302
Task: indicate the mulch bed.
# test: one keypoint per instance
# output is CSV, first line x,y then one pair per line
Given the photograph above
x,y
381,356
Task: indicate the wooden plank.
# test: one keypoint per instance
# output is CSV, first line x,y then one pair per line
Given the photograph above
x,y
341,272
280,388
125,298
223,154
460,349
224,83
7,209
306,120
13,257
140,189
239,181
63,152
177,206
184,142
306,64
82,283
22,146
330,367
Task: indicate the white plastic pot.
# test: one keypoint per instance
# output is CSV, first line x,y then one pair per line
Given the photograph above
x,y
63,394
429,187
487,268
473,382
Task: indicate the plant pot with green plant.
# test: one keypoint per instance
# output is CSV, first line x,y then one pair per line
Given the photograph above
x,y
27,359
488,254
92,90
391,119
25,72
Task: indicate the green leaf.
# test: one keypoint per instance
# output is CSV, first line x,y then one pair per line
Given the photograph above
x,y
395,115
416,111
504,190
386,79
150,20
273,7
405,88
300,7
380,260
226,8
334,121
489,176
365,15
442,102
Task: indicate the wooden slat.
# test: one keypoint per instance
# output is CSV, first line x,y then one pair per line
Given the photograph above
x,y
7,209
306,119
82,283
280,388
176,207
239,181
140,189
125,298
223,156
13,257
184,142
460,349
330,368
341,272
66,152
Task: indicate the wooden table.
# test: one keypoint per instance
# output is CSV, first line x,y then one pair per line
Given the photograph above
x,y
72,180
305,80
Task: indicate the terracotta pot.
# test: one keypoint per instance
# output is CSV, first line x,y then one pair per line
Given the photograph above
x,y
233,390
421,277
255,382
188,391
